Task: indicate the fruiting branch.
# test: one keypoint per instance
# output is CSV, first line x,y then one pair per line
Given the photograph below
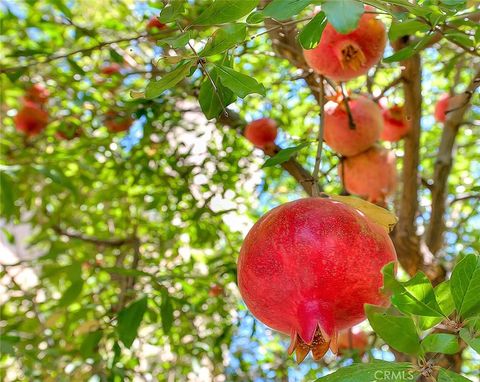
x,y
116,242
321,128
346,101
392,84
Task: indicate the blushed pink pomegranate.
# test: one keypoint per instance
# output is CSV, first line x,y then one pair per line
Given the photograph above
x,y
352,340
307,267
371,174
261,132
441,108
368,121
395,124
31,119
342,57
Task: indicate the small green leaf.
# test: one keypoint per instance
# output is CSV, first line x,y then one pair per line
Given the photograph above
x,y
166,311
155,88
57,177
176,42
213,101
284,9
445,301
255,17
310,35
397,331
224,11
344,15
465,286
449,376
172,11
239,83
471,340
406,28
409,50
374,371
89,344
7,195
284,155
71,294
441,343
129,320
224,39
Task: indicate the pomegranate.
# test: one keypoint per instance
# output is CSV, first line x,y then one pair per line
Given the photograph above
x,y
31,119
262,132
352,339
368,121
307,268
441,108
395,124
215,290
37,93
111,69
342,57
372,174
117,122
155,25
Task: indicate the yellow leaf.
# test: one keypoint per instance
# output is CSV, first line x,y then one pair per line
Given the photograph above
x,y
378,214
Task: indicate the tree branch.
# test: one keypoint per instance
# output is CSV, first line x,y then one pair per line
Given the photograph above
x,y
116,242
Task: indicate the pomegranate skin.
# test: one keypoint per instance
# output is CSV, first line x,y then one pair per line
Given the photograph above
x,y
31,119
441,107
342,57
261,132
395,124
155,24
117,122
307,268
367,117
38,94
357,340
111,69
371,175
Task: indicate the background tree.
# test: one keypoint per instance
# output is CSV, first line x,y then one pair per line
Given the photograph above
x,y
139,187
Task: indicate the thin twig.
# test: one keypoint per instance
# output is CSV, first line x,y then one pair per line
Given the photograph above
x,y
392,84
112,242
318,158
346,99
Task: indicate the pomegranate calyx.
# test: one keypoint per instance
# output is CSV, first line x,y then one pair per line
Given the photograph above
x,y
351,55
318,346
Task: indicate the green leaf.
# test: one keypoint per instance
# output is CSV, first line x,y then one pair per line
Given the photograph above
x,y
465,286
441,343
224,39
176,41
213,101
155,88
129,320
239,83
172,11
310,35
255,17
7,195
343,14
284,155
409,50
470,340
71,294
397,331
6,347
406,28
284,9
449,376
166,311
374,371
445,301
57,177
89,344
224,11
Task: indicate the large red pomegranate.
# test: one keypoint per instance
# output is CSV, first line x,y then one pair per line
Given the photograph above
x,y
37,93
261,132
395,124
371,174
117,122
339,134
352,340
342,57
307,267
31,119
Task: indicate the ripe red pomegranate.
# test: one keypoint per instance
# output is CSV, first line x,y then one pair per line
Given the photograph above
x,y
371,174
443,104
307,267
262,132
111,69
342,57
37,93
117,122
352,340
215,290
395,124
155,25
31,119
339,135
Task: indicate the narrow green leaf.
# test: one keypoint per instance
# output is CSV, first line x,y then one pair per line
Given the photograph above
x,y
284,155
224,11
397,331
284,9
176,41
449,376
7,195
155,88
129,320
310,35
57,177
445,301
409,50
343,14
255,17
172,11
441,343
374,371
71,294
224,39
213,101
166,311
465,286
89,344
239,83
409,27
470,340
